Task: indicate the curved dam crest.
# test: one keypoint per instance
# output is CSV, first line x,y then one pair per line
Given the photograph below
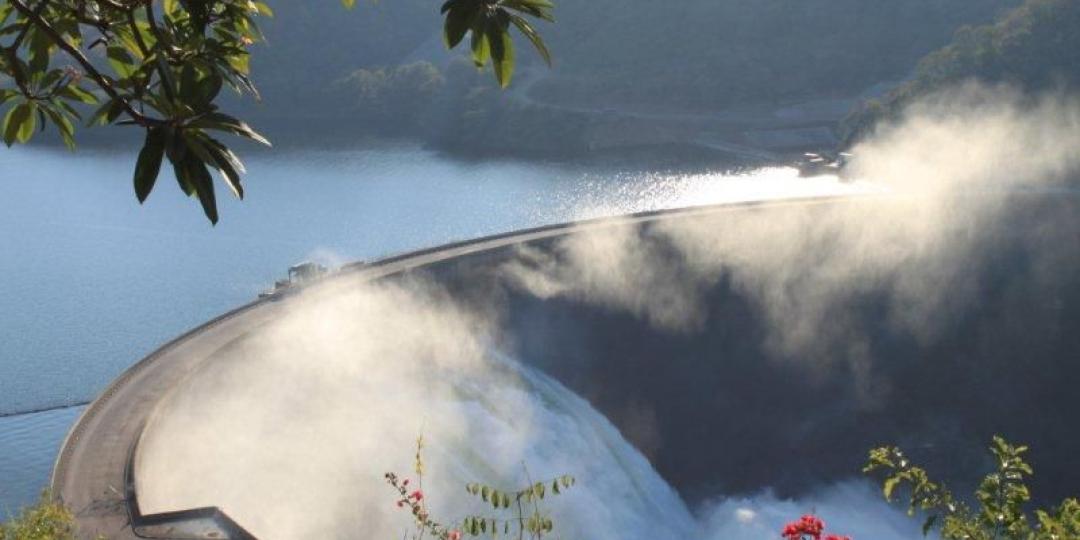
x,y
732,363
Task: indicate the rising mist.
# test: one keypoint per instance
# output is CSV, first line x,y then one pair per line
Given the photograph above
x,y
290,431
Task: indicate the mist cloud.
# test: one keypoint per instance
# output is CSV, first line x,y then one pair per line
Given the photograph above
x,y
949,168
292,430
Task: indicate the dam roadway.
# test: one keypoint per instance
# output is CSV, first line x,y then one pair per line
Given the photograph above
x,y
93,472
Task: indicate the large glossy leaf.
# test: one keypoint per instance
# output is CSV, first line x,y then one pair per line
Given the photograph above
x,y
212,154
148,166
75,93
502,48
19,123
228,164
481,47
529,32
63,125
192,172
456,26
223,122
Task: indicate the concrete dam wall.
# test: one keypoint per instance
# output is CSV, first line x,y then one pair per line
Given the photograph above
x,y
732,349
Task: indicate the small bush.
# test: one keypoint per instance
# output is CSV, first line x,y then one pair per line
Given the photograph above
x,y
1002,497
46,520
517,512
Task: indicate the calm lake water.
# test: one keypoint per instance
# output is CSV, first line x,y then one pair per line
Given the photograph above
x,y
93,281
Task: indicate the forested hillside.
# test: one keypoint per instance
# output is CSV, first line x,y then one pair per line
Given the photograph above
x,y
1035,47
715,53
380,70
311,44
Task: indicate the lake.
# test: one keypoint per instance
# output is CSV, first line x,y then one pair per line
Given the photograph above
x,y
94,281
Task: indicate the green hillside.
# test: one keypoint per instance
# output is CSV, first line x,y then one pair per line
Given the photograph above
x,y
716,53
1035,47
677,53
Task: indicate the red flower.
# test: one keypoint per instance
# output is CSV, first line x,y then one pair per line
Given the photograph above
x,y
416,495
837,537
808,525
405,483
453,535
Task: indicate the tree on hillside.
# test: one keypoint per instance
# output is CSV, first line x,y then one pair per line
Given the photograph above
x,y
160,66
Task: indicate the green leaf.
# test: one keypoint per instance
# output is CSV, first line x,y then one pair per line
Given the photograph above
x,y
213,154
540,9
263,9
121,61
456,26
168,79
148,166
199,87
529,32
241,63
888,487
63,125
208,88
929,524
502,48
75,93
223,122
50,78
192,172
19,123
481,48
7,95
5,11
106,114
40,49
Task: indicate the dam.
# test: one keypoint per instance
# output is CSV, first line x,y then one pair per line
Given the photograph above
x,y
702,352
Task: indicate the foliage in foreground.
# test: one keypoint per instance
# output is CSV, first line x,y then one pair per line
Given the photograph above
x,y
527,518
1002,496
47,520
161,66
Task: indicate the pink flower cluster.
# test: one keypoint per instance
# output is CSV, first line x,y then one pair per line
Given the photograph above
x,y
808,527
412,500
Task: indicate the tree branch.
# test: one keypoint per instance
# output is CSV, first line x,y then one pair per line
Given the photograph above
x,y
79,57
12,53
22,33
